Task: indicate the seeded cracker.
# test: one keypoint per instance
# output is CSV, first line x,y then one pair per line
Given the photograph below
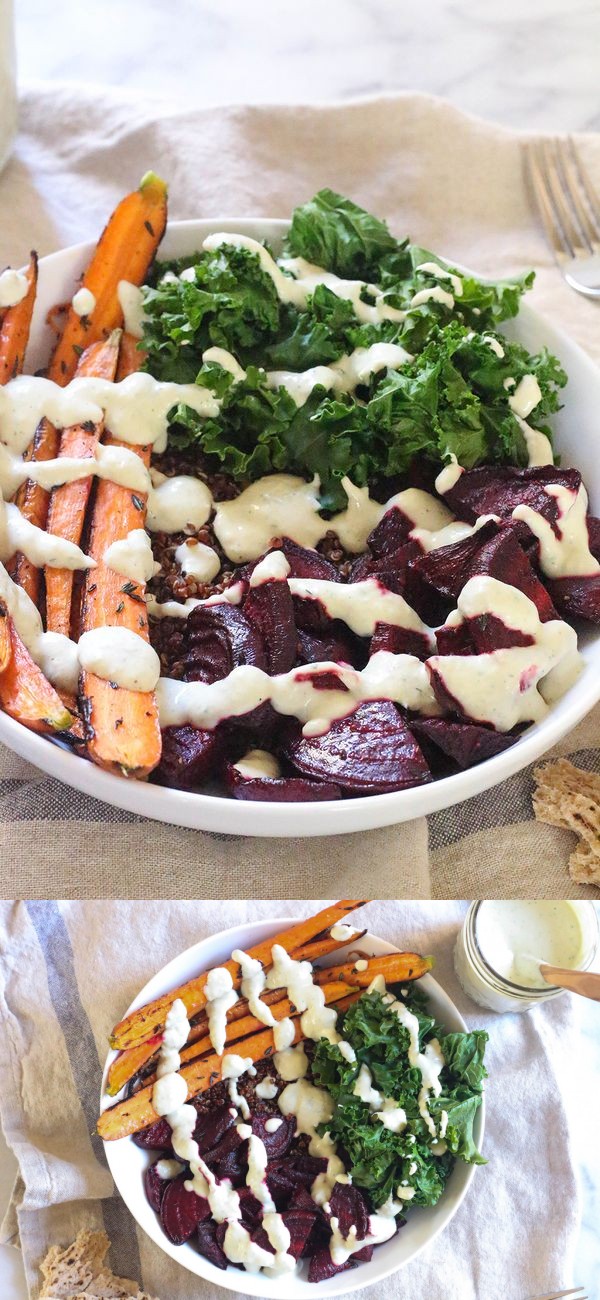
x,y
568,797
77,1272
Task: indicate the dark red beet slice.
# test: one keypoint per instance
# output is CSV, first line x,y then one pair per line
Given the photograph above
x,y
300,1224
156,1137
282,1181
277,1143
466,743
155,1186
399,641
302,1200
455,639
594,535
305,563
206,1240
489,633
252,1210
363,1256
491,551
218,639
189,756
390,533
310,1166
211,1127
391,567
349,1207
577,597
322,1266
499,489
270,608
368,752
181,1211
261,1239
336,646
230,1141
290,789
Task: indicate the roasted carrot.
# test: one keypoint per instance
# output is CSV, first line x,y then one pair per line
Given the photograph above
x,y
68,503
15,324
137,1111
131,357
124,252
132,1059
25,694
147,1021
5,639
396,968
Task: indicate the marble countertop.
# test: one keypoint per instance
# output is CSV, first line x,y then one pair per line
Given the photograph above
x,y
531,64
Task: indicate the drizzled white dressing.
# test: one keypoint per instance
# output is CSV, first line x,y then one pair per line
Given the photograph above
x,y
13,287
83,302
569,552
196,560
342,376
132,556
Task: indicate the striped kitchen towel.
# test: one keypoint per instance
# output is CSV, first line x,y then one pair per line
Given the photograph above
x,y
67,973
455,183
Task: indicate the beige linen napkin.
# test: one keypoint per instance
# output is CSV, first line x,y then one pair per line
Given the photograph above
x,y
453,183
67,973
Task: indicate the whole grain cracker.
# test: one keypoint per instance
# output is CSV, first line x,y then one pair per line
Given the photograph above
x,y
77,1272
569,797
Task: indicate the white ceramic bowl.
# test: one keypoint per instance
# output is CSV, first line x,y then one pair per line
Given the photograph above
x,y
578,441
127,1161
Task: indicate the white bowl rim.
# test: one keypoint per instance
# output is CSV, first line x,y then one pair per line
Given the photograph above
x,y
211,812
169,977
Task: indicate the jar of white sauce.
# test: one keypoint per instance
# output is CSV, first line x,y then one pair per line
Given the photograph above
x,y
502,941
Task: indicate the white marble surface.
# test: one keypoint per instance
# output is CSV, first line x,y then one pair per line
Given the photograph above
x,y
586,1137
526,64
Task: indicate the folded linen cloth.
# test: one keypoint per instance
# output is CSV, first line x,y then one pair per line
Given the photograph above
x,y
67,973
455,184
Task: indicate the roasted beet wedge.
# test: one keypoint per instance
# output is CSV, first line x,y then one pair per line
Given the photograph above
x,y
218,639
211,1127
206,1241
189,756
322,1266
305,563
181,1211
270,608
490,551
156,1137
499,489
399,641
368,752
594,536
454,639
391,567
465,743
338,646
300,1225
489,633
349,1207
390,533
155,1186
577,597
284,789
277,1143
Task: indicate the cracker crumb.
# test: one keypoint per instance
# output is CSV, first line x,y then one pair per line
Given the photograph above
x,y
78,1272
569,797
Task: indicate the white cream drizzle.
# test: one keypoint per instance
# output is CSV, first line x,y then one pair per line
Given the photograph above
x,y
132,556
83,302
539,447
257,763
131,302
526,396
13,287
360,605
42,548
119,655
220,997
569,552
442,273
196,560
341,376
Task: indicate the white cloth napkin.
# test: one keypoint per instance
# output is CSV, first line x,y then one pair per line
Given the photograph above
x,y
453,183
67,973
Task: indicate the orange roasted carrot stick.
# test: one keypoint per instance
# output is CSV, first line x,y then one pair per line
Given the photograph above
x,y
25,694
15,324
137,1111
149,1020
124,252
68,503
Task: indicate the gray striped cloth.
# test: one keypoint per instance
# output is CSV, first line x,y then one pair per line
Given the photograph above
x,y
453,182
67,973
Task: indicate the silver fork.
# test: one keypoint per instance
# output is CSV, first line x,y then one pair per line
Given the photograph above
x,y
570,211
576,1294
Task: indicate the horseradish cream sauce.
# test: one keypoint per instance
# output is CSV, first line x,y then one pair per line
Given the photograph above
x,y
132,556
516,935
13,287
220,997
196,560
567,554
83,302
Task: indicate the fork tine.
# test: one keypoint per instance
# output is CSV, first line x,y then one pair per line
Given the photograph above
x,y
537,179
560,199
582,194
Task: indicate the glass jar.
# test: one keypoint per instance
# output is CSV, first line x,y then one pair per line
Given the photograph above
x,y
8,81
493,990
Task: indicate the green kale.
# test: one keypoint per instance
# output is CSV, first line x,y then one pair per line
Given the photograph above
x,y
381,1160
